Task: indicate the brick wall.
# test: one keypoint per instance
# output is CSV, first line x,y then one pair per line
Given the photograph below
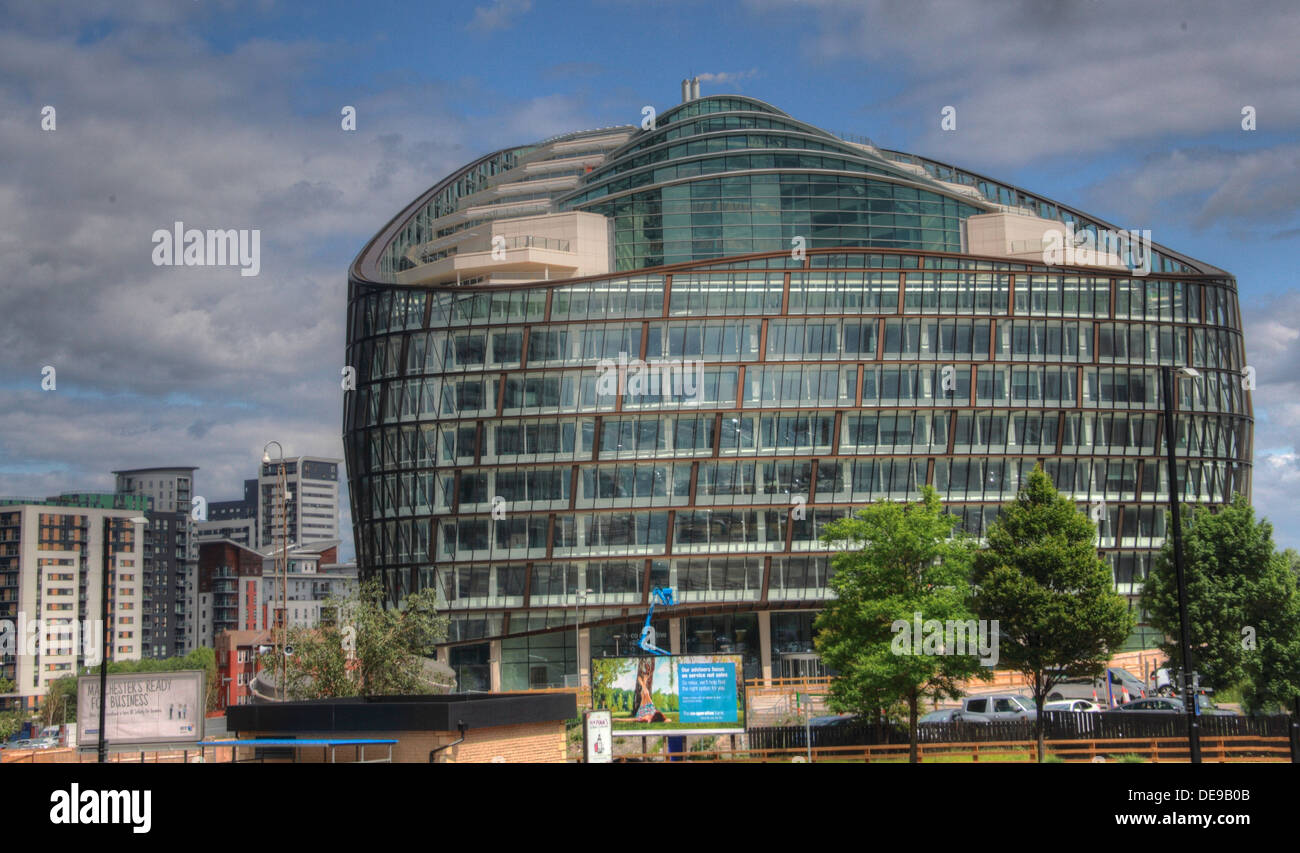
x,y
411,747
533,743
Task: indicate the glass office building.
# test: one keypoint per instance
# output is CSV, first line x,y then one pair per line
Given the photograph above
x,y
846,323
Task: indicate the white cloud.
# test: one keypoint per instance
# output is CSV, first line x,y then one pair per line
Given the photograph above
x,y
1206,187
1040,80
498,15
191,365
1272,331
726,77
1276,495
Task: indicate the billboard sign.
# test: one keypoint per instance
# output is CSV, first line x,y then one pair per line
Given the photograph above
x,y
599,737
143,707
673,694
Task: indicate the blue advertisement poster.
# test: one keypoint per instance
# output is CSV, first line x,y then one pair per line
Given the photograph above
x,y
671,693
707,692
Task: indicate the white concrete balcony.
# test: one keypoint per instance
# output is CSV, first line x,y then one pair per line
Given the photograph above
x,y
536,248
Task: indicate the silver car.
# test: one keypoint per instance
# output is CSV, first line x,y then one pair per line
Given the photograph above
x,y
1000,706
950,715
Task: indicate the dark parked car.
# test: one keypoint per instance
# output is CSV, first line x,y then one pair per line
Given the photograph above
x,y
833,721
1161,705
1169,705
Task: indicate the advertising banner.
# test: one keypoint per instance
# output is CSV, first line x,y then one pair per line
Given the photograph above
x,y
599,737
671,694
707,692
143,707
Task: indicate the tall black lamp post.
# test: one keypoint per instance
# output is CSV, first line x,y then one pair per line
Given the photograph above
x,y
106,550
282,566
1167,375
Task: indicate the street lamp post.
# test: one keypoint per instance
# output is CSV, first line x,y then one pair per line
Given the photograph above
x,y
1175,519
578,596
282,568
107,632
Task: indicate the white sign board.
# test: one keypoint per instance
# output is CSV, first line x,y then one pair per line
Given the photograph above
x,y
143,707
599,730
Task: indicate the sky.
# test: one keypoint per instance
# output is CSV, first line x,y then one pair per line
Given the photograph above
x,y
227,114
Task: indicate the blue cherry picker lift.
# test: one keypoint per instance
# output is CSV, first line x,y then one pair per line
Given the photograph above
x,y
646,712
659,595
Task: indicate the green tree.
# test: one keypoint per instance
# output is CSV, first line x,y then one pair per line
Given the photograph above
x,y
368,650
59,704
1275,673
1292,558
1239,589
320,666
895,560
10,721
1051,598
1273,666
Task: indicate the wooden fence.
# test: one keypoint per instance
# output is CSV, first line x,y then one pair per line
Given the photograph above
x,y
1215,749
64,755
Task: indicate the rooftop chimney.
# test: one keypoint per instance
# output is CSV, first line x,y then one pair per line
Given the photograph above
x,y
686,91
695,88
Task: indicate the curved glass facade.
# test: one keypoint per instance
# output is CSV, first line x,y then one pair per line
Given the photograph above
x,y
489,456
714,217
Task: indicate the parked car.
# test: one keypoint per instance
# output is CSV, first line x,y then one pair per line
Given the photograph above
x,y
1163,705
1208,708
1000,706
1076,705
1171,705
1095,689
833,720
942,716
951,715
